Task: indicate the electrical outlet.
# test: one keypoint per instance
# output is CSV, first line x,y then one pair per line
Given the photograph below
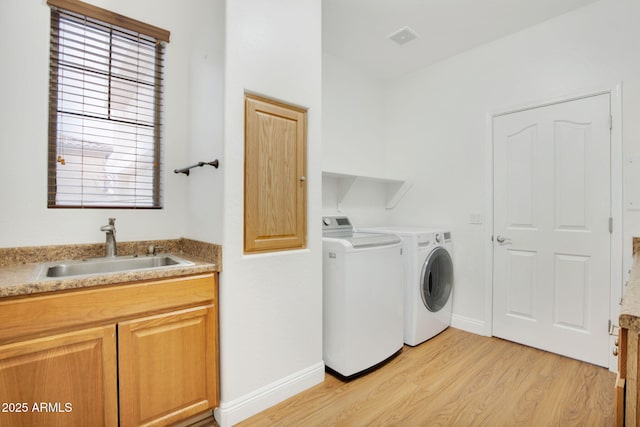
x,y
475,217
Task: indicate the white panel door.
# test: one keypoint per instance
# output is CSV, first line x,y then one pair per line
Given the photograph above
x,y
552,245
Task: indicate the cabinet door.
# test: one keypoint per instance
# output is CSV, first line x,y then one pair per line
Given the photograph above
x,y
621,379
275,182
61,380
167,366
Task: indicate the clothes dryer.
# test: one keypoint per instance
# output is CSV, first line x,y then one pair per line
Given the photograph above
x,y
428,280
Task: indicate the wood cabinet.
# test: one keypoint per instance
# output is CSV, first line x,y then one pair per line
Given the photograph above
x,y
627,386
144,353
166,367
66,379
275,176
621,379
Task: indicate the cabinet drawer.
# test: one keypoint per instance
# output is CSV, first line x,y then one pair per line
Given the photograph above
x,y
33,315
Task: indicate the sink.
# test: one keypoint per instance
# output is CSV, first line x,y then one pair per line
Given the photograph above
x,y
110,265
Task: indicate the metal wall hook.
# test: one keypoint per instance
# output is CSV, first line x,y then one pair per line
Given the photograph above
x,y
185,171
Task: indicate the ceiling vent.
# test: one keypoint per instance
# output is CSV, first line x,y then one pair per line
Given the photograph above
x,y
403,35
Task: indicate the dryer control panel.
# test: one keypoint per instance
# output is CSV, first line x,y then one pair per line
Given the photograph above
x,y
332,225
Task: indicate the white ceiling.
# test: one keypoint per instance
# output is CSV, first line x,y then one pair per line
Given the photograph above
x,y
356,30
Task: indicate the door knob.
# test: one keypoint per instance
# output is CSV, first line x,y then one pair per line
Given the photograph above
x,y
502,239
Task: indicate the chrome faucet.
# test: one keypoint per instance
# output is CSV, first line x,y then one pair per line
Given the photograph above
x,y
111,249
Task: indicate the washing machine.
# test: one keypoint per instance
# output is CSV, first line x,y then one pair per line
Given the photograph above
x,y
428,280
362,297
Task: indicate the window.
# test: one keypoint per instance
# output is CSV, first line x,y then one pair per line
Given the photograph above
x,y
105,109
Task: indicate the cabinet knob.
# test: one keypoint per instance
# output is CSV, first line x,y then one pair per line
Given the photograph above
x,y
303,178
615,351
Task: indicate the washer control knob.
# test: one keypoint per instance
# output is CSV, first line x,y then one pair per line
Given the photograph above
x,y
326,221
438,238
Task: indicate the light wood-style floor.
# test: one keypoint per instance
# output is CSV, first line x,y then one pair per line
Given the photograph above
x,y
457,379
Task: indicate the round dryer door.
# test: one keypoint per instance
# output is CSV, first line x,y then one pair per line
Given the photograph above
x,y
436,280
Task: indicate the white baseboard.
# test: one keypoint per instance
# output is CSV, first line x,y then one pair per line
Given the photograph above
x,y
232,412
468,324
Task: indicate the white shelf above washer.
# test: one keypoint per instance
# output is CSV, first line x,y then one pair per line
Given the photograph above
x,y
396,188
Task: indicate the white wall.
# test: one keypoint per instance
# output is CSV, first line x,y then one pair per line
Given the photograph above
x,y
352,114
352,141
270,305
193,65
437,122
205,120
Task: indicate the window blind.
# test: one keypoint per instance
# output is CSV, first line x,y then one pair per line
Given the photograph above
x,y
105,110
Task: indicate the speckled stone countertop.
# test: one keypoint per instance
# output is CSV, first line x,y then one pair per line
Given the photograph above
x,y
20,267
630,310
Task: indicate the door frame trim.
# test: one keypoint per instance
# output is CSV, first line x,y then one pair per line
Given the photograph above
x,y
616,261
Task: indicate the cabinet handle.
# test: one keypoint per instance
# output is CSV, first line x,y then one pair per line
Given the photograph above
x,y
615,351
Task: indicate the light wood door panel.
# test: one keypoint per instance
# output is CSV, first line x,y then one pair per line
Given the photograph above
x,y
167,366
275,180
70,378
551,220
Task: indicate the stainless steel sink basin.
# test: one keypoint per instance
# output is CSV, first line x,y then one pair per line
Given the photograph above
x,y
110,265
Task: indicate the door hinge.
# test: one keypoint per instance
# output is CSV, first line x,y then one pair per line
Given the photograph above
x,y
613,328
610,121
610,225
